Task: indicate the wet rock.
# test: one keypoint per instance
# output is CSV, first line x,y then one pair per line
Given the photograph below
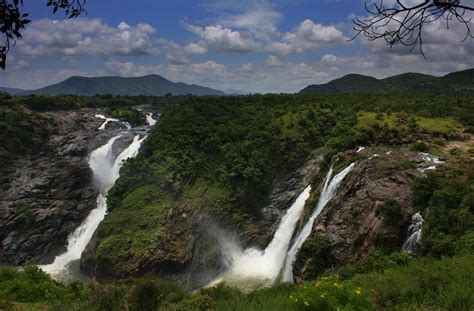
x,y
352,222
47,195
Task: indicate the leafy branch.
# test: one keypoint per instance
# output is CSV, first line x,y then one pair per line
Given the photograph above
x,y
13,20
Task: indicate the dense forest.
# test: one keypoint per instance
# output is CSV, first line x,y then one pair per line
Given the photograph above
x,y
229,150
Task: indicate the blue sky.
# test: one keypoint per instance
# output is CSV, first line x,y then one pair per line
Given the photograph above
x,y
252,45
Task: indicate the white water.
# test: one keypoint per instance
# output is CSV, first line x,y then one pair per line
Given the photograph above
x,y
264,265
106,171
107,120
328,192
149,119
430,162
414,234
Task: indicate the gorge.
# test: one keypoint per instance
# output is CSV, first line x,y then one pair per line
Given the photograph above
x,y
221,195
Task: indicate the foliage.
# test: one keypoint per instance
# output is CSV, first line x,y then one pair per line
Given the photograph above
x,y
22,132
330,293
445,198
32,285
132,116
391,211
425,284
376,261
321,258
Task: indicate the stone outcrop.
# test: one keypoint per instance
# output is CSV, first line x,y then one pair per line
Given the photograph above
x,y
353,222
188,248
49,194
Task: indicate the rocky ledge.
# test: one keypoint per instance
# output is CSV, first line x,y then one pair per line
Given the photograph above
x,y
48,194
372,209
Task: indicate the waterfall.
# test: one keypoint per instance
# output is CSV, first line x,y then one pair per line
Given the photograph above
x,y
413,234
149,119
107,120
106,171
327,193
264,265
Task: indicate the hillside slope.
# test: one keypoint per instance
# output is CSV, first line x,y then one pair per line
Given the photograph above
x,y
153,85
461,81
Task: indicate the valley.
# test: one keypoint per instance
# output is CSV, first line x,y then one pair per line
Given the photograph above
x,y
238,202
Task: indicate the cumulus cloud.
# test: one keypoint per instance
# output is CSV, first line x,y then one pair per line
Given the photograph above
x,y
195,48
273,60
86,36
307,36
225,39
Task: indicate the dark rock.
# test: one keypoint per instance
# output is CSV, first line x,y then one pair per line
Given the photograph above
x,y
50,193
350,222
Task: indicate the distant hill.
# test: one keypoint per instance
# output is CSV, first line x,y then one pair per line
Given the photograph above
x,y
235,92
461,81
10,90
153,85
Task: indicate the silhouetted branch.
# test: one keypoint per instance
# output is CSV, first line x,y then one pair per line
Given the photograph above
x,y
403,24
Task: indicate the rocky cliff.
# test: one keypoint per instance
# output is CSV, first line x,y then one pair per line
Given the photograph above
x,y
186,244
49,193
372,209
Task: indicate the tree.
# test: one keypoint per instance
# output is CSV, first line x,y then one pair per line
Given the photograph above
x,y
402,23
13,20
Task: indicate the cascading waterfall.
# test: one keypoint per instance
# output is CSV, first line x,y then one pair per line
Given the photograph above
x,y
106,172
264,265
413,234
328,192
149,119
107,120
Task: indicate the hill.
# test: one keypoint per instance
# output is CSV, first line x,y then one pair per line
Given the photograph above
x,y
10,90
152,85
461,81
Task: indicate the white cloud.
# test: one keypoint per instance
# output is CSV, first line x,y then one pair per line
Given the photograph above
x,y
224,39
86,36
307,36
195,48
272,60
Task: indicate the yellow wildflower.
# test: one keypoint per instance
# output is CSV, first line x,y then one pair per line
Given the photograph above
x,y
306,303
322,295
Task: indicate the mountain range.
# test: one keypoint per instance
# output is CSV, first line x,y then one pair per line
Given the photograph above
x,y
11,90
461,81
150,85
155,85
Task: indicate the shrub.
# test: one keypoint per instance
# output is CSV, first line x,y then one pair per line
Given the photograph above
x,y
391,211
424,284
329,293
320,254
419,146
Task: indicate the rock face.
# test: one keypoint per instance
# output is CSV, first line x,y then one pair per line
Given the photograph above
x,y
50,193
188,248
354,221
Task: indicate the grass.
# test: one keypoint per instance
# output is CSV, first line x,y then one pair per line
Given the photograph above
x,y
425,284
443,125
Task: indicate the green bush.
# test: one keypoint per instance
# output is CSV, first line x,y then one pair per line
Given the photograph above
x,y
419,146
424,284
330,293
391,211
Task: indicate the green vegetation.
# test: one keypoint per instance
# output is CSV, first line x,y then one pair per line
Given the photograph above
x,y
446,199
391,211
459,82
221,155
132,116
22,132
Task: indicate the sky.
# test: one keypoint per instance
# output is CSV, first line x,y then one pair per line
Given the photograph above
x,y
248,45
